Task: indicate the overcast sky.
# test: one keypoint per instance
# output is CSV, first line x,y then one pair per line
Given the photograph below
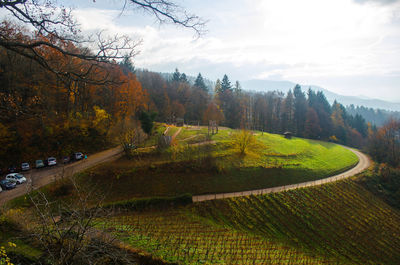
x,y
350,47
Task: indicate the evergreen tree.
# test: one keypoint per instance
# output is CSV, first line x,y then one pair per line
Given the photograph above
x,y
176,76
300,109
183,78
226,84
218,87
146,120
127,65
199,83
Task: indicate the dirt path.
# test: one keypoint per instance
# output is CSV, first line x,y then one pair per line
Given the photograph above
x,y
364,163
38,178
176,133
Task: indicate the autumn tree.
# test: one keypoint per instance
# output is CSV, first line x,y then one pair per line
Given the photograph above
x,y
312,128
384,145
213,112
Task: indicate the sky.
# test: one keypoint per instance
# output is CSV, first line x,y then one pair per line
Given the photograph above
x,y
351,47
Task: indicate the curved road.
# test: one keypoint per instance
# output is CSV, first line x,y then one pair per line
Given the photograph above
x,y
39,178
363,163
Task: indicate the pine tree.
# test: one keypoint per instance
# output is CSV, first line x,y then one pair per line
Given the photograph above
x,y
199,83
237,88
183,78
226,84
300,109
176,76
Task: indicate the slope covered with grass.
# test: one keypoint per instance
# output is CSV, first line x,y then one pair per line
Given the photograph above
x,y
217,167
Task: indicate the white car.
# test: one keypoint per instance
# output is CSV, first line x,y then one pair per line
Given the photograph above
x,y
25,166
51,161
16,177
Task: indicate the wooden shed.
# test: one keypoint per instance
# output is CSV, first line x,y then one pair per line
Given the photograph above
x,y
179,122
288,135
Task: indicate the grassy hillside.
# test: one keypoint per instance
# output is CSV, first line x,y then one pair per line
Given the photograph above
x,y
338,223
217,167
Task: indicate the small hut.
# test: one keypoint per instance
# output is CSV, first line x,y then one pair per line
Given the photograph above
x,y
288,135
179,122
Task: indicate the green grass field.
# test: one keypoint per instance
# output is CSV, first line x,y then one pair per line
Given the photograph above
x,y
216,168
337,223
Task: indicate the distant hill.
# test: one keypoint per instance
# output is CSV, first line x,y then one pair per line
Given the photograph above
x,y
284,86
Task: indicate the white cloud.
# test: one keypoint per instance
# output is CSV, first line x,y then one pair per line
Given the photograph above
x,y
308,41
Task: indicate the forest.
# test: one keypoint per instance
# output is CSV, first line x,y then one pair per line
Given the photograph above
x,y
44,113
57,101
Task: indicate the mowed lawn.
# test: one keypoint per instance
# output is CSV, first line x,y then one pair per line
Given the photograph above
x,y
217,168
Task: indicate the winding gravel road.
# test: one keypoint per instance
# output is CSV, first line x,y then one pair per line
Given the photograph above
x,y
363,163
39,178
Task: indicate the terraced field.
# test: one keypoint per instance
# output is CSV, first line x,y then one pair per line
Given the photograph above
x,y
338,223
175,236
339,220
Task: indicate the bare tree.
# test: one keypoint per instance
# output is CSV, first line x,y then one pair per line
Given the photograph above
x,y
56,29
67,231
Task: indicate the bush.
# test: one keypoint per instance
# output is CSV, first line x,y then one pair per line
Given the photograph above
x,y
152,203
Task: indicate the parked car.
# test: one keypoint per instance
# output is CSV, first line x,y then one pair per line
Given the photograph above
x,y
12,169
39,164
7,184
18,178
66,160
51,161
77,156
25,166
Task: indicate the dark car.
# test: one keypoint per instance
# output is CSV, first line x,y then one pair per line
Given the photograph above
x,y
66,159
12,169
7,184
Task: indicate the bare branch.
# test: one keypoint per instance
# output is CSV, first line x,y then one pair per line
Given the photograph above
x,y
169,12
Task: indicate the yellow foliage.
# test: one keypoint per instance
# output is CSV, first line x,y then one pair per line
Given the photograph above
x,y
101,119
244,142
4,259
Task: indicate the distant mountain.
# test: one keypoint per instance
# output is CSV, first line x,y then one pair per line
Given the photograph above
x,y
284,86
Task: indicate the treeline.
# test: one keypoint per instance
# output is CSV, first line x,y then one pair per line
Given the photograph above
x,y
46,114
377,117
384,144
304,114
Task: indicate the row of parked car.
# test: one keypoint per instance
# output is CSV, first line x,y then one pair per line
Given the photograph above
x,y
11,181
50,161
13,178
